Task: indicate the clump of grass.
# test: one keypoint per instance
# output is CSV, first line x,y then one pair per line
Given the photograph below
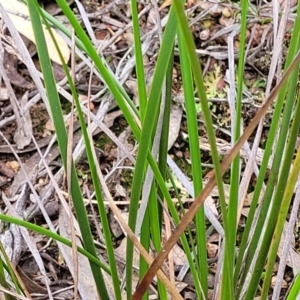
x,y
240,274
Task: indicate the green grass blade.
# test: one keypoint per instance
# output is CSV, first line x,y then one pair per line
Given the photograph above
x,y
119,92
192,122
61,27
115,88
98,192
155,208
294,292
84,44
62,141
10,271
156,233
140,74
152,211
96,183
146,138
274,206
145,241
190,48
56,237
229,252
267,153
3,281
289,191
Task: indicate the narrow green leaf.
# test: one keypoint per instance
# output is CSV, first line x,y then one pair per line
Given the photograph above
x,y
62,141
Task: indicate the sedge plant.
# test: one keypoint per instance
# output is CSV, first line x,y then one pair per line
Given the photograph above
x,y
241,272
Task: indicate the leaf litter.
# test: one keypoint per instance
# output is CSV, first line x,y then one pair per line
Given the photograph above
x,y
108,24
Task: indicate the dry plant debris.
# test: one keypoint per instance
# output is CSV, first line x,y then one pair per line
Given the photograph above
x,y
41,263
